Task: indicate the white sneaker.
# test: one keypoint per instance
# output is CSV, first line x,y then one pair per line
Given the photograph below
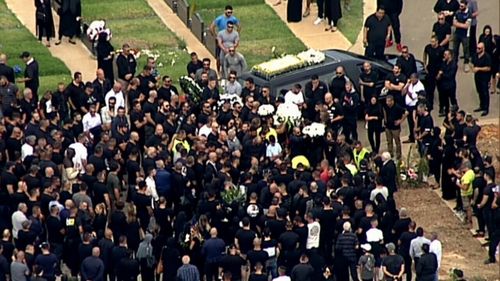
x,y
318,21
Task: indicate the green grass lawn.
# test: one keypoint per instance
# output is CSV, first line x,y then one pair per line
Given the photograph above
x,y
15,38
261,28
135,23
351,22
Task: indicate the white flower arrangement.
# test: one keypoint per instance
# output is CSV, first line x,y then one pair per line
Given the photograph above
x,y
232,98
287,63
311,56
151,54
287,113
97,27
314,130
265,110
191,88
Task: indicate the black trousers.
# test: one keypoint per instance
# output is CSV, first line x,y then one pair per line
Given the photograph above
x,y
408,263
350,130
472,40
374,137
375,50
483,93
430,88
411,122
321,8
446,97
394,17
494,240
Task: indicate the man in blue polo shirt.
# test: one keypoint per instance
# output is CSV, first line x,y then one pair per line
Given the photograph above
x,y
462,23
220,24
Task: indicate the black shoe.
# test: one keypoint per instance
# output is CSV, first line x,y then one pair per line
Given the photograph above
x,y
488,261
484,113
478,109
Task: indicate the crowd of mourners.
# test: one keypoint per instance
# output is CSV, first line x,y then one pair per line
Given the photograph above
x,y
128,178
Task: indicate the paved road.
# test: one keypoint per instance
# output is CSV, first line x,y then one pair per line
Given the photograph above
x,y
416,26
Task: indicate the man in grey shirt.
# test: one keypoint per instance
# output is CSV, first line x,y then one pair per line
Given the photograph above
x,y
18,269
416,245
234,61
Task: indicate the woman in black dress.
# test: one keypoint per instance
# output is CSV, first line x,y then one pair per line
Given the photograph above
x,y
294,11
374,116
333,12
70,14
44,20
449,158
105,55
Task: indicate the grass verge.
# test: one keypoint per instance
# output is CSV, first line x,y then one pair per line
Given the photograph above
x,y
15,38
135,23
352,21
261,28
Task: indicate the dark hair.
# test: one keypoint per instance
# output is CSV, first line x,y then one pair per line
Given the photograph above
x,y
228,7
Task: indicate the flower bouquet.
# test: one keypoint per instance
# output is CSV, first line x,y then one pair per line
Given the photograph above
x,y
289,114
414,171
191,89
232,98
265,110
311,57
96,28
314,130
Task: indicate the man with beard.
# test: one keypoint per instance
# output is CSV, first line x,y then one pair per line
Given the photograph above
x,y
394,84
462,23
126,65
447,84
314,92
442,30
335,113
367,80
482,72
377,30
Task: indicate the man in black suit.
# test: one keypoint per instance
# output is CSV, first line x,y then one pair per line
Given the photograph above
x,y
31,74
6,70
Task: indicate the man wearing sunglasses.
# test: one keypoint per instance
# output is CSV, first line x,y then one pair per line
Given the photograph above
x,y
226,39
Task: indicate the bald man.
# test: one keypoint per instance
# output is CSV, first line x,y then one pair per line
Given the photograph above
x,y
92,267
187,272
212,251
116,92
6,70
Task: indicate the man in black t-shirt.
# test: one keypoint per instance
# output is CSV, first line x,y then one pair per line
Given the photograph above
x,y
377,31
367,80
407,62
394,83
482,67
447,84
233,263
393,264
433,56
442,30
425,125
74,92
394,115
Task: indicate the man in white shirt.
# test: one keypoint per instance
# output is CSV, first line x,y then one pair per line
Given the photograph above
x,y
273,149
18,217
28,147
118,94
437,249
313,230
416,245
80,159
282,275
413,88
295,96
379,189
91,120
375,237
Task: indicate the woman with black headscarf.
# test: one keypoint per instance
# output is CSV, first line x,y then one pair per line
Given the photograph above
x,y
105,55
448,162
70,15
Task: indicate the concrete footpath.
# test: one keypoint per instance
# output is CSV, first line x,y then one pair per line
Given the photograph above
x,y
174,23
313,36
76,57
